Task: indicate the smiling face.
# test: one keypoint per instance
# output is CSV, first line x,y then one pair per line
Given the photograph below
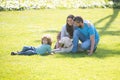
x,y
70,21
45,41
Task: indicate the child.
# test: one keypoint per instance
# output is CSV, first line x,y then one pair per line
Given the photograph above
x,y
45,47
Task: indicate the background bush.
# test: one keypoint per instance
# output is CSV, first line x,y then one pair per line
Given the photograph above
x,y
48,4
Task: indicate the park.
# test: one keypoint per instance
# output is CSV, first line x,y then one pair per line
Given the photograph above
x,y
26,27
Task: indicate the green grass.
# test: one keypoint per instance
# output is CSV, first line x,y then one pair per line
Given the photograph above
x,y
19,28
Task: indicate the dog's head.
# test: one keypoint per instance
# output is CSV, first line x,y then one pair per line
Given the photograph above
x,y
65,42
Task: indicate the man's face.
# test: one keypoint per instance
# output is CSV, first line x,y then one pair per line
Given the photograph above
x,y
78,24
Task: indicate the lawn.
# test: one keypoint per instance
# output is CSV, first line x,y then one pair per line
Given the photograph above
x,y
19,28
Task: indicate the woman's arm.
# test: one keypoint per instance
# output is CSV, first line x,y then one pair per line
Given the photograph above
x,y
63,31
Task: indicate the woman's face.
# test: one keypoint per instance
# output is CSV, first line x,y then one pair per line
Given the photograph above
x,y
70,21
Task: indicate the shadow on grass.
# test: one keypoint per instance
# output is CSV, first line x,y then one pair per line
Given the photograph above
x,y
100,53
117,33
112,17
37,41
51,31
33,54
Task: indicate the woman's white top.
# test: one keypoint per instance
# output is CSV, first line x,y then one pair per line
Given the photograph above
x,y
64,32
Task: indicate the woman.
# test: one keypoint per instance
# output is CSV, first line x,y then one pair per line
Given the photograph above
x,y
67,30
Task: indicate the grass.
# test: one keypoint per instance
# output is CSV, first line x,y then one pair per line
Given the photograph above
x,y
19,28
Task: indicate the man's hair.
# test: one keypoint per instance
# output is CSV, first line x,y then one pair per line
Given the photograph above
x,y
78,19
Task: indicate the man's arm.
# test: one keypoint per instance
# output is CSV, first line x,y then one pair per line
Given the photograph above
x,y
92,39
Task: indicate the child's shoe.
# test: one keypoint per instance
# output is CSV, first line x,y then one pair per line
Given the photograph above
x,y
14,53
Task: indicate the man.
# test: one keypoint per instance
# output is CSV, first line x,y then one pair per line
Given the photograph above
x,y
87,34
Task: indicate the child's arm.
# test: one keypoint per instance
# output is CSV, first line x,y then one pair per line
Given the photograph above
x,y
49,50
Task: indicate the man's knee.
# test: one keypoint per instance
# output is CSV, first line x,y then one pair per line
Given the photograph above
x,y
85,45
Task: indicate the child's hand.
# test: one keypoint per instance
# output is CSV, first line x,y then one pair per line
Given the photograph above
x,y
51,53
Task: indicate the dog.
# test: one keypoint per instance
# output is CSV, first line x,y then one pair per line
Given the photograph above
x,y
66,45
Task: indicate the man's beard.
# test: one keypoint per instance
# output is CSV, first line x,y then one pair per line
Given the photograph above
x,y
80,26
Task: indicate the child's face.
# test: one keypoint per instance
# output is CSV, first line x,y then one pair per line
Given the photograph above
x,y
45,41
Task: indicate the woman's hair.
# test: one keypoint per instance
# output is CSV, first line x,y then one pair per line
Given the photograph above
x,y
48,37
68,27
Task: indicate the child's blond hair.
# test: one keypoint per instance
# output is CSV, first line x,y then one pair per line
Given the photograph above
x,y
48,37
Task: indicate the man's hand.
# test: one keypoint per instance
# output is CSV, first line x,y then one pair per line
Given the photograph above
x,y
90,52
92,39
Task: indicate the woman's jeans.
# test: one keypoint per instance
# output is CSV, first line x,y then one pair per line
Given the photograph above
x,y
27,50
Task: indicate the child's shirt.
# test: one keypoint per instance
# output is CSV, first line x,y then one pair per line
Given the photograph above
x,y
42,49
